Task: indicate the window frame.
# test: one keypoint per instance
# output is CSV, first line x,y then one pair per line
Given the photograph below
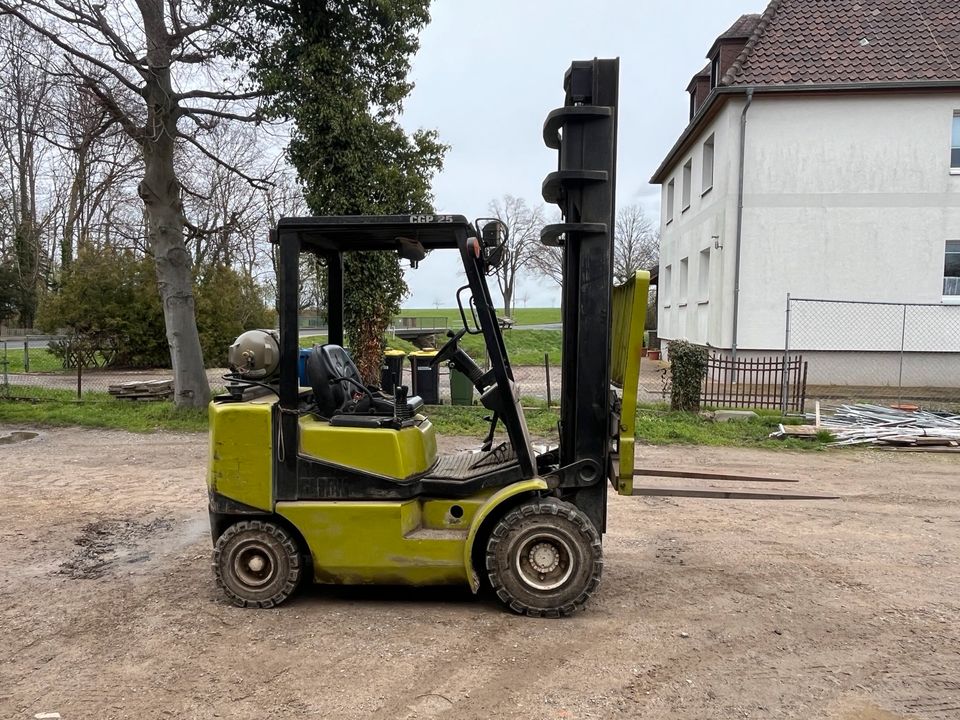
x,y
703,277
671,200
684,289
711,143
667,282
686,192
955,143
950,247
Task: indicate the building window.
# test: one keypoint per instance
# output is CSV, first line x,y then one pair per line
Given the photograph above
x,y
951,269
687,179
684,280
955,143
667,285
707,166
693,103
715,72
703,277
670,193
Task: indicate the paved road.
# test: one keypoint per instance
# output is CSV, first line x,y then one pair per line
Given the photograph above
x,y
16,343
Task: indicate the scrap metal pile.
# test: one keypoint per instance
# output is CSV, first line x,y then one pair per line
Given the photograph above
x,y
917,430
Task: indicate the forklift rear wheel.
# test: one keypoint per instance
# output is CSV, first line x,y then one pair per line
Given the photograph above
x,y
256,563
544,558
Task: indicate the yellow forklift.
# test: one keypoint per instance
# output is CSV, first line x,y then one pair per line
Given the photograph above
x,y
340,483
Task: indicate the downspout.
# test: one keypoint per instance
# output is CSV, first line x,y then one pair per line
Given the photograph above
x,y
736,267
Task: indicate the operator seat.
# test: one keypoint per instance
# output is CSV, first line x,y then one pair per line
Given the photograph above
x,y
337,386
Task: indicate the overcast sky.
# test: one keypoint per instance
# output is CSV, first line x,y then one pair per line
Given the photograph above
x,y
488,73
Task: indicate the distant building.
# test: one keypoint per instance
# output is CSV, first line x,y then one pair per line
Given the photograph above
x,y
840,122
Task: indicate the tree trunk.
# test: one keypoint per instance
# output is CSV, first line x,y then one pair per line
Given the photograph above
x,y
160,192
74,208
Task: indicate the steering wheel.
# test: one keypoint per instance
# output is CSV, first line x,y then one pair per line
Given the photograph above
x,y
447,351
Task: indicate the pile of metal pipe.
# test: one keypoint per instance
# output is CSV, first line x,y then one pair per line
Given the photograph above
x,y
876,424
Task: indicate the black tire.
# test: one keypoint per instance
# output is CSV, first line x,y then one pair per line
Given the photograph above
x,y
257,564
565,543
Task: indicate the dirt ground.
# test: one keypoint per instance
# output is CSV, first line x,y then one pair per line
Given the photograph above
x,y
708,609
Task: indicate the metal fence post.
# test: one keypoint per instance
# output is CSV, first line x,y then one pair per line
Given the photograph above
x,y
26,356
546,369
903,336
79,379
786,353
6,378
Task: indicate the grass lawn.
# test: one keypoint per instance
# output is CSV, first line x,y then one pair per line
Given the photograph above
x,y
100,410
656,425
41,360
521,316
525,347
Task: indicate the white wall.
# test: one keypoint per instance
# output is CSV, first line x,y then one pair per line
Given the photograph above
x,y
845,197
709,226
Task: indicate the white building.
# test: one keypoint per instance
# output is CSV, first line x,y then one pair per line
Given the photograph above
x,y
822,159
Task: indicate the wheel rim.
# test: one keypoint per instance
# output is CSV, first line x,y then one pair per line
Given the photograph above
x,y
544,560
254,564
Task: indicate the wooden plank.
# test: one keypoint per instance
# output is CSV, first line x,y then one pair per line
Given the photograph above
x,y
799,431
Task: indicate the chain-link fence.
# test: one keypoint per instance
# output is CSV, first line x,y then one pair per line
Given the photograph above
x,y
58,368
44,367
893,352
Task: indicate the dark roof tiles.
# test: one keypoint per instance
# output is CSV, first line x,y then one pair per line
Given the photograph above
x,y
850,41
742,28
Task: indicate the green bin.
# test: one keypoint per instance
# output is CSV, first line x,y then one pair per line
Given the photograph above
x,y
461,389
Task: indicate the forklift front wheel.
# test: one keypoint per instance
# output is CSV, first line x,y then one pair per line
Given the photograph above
x,y
544,558
256,563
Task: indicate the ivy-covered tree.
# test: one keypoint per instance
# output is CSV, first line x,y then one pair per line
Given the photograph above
x,y
9,291
339,70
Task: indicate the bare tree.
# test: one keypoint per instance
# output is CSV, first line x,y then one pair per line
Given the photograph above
x,y
23,115
636,243
636,246
523,242
97,164
225,211
152,66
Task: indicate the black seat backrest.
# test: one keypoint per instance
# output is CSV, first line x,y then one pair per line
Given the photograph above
x,y
327,363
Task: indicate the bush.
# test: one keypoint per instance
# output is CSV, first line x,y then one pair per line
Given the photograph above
x,y
228,304
688,365
109,301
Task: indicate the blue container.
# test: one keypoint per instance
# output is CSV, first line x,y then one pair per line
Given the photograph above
x,y
302,366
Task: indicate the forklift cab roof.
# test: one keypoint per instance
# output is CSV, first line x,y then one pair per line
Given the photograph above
x,y
402,233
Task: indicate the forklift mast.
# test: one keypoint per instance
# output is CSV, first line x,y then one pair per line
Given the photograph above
x,y
584,132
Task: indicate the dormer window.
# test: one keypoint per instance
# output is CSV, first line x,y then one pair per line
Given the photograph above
x,y
693,103
715,71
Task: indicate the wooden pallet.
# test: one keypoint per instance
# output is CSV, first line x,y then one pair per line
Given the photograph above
x,y
146,390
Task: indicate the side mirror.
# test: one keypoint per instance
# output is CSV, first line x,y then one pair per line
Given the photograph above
x,y
494,256
493,232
